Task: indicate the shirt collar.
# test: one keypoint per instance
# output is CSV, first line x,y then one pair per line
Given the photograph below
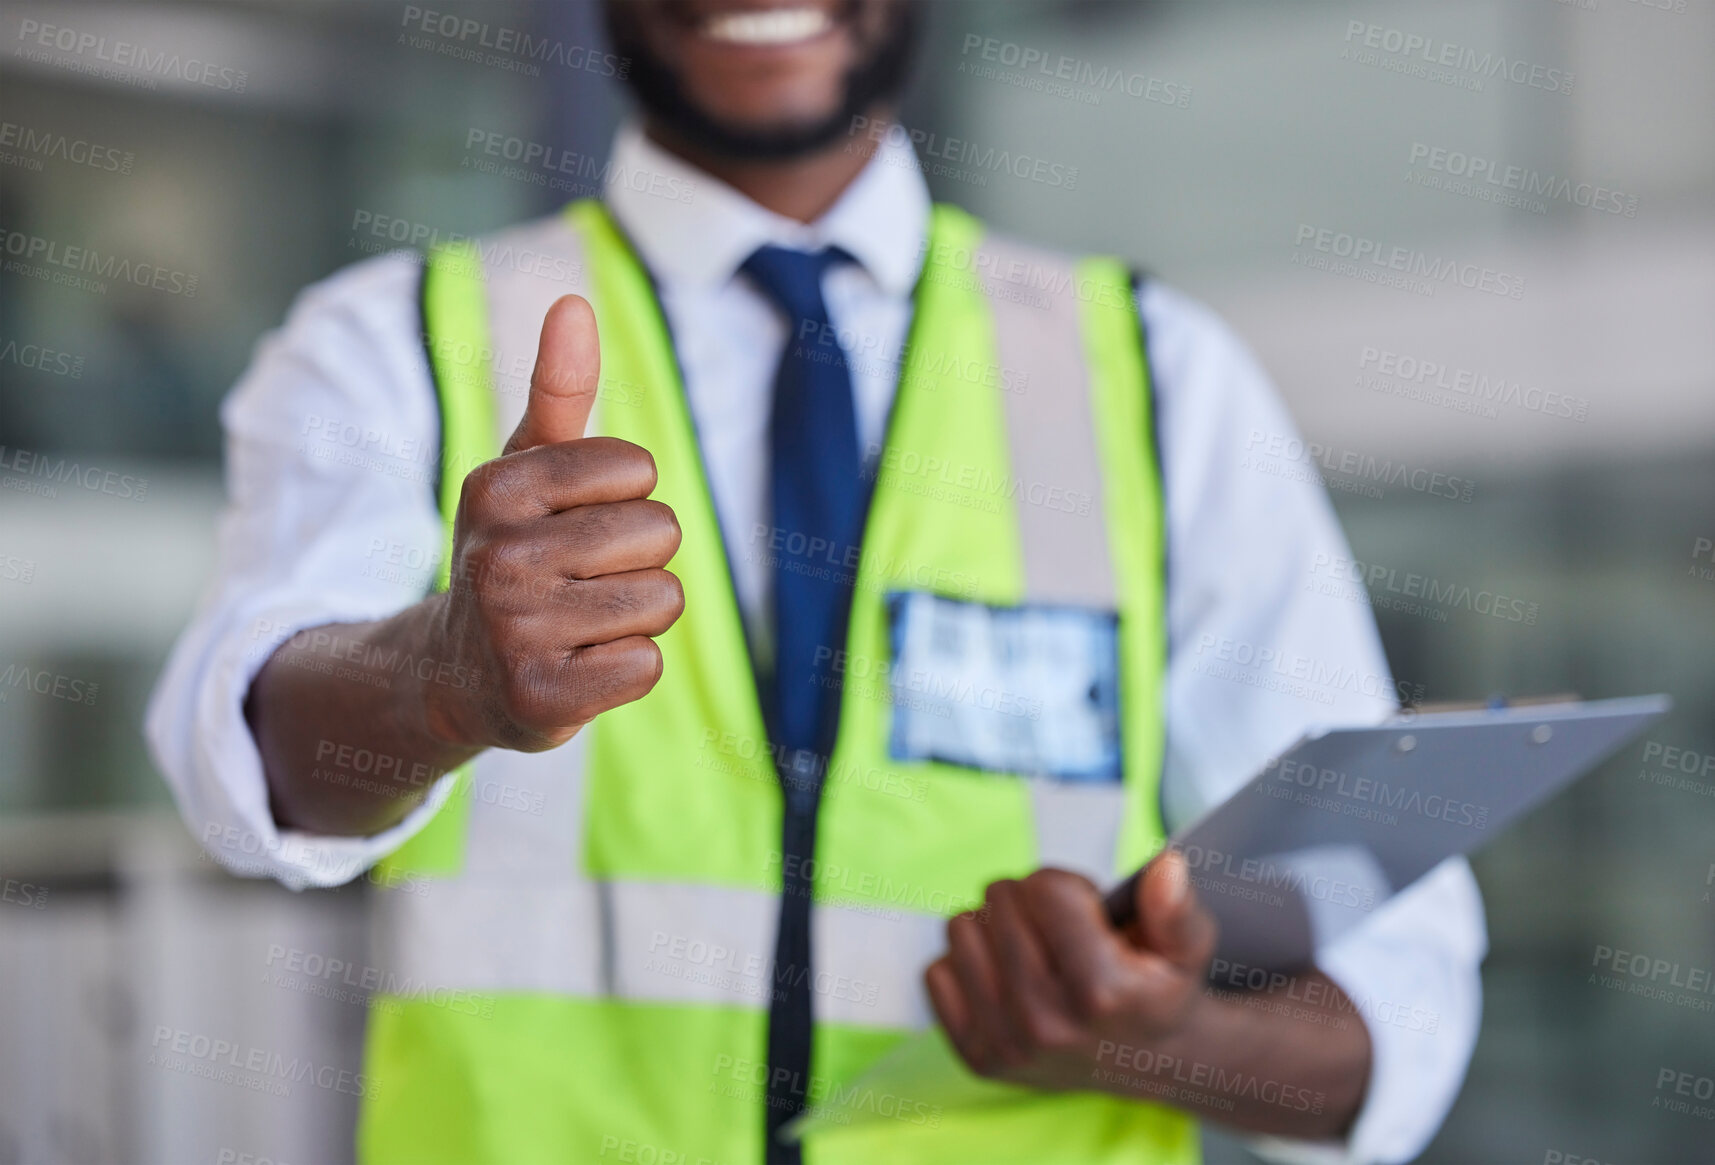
x,y
702,237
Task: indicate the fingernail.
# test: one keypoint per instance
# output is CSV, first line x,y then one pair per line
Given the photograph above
x,y
1178,878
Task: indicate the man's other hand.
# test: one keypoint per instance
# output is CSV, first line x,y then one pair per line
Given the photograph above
x,y
1037,982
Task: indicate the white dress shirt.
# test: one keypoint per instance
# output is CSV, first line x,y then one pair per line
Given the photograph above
x,y
331,442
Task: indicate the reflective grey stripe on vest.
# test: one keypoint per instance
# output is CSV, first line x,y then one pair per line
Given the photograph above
x,y
1051,424
1062,527
654,942
521,915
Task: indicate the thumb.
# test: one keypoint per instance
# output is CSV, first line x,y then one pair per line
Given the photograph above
x,y
563,383
1175,925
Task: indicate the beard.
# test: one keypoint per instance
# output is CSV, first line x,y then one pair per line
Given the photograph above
x,y
878,77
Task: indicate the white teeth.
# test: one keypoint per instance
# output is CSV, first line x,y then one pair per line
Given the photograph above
x,y
773,26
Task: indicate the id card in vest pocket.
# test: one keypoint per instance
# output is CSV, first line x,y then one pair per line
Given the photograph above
x,y
1032,689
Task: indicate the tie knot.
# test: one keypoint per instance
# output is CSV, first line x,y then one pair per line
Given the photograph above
x,y
793,279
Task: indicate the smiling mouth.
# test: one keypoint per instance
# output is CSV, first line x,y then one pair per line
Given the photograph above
x,y
767,28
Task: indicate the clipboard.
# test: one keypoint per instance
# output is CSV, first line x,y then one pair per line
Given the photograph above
x,y
1318,840
1333,828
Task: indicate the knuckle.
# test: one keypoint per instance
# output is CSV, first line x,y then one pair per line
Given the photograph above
x,y
500,570
519,687
1056,881
668,523
1043,1031
626,459
672,596
1094,999
486,490
643,463
512,558
1050,889
649,665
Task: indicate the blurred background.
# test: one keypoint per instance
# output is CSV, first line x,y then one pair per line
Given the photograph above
x,y
1244,149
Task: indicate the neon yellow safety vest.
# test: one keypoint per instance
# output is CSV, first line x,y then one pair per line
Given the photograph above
x,y
591,983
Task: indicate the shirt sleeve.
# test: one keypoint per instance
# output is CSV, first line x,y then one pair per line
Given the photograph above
x,y
332,447
1258,654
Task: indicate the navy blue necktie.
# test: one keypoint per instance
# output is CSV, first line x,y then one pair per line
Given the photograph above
x,y
816,484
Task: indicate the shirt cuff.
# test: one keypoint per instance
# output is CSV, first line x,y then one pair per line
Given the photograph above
x,y
1413,976
219,779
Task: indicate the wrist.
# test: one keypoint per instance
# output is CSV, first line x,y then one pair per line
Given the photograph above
x,y
1203,1024
441,700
